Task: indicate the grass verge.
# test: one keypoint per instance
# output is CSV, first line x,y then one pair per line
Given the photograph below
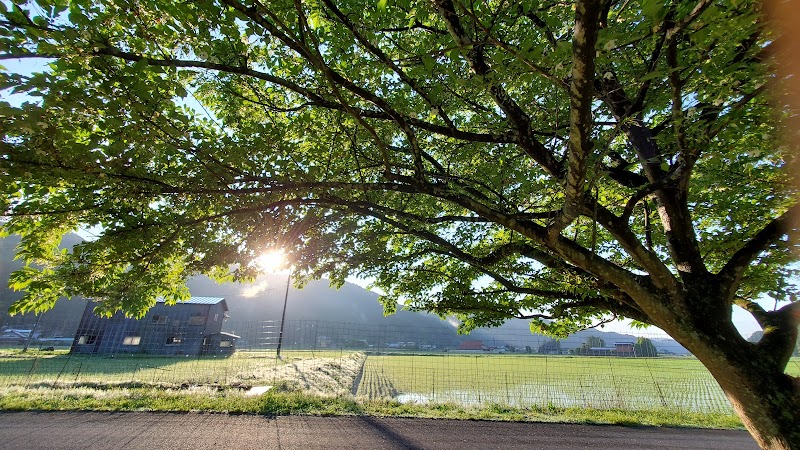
x,y
660,418
288,402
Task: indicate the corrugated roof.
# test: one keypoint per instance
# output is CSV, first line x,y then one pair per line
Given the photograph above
x,y
198,300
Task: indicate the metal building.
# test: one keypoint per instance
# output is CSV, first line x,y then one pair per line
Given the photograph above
x,y
193,327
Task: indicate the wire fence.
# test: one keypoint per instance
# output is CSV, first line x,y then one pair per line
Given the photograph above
x,y
406,364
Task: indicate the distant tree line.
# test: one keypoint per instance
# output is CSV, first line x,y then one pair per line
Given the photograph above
x,y
643,347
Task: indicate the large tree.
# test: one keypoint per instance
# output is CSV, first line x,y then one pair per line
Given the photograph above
x,y
566,162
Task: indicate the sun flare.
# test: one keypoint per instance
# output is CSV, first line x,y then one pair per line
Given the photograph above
x,y
272,261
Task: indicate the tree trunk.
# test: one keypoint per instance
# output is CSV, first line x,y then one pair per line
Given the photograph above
x,y
753,377
769,406
763,396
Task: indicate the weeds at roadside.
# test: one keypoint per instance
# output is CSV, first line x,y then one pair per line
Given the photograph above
x,y
289,401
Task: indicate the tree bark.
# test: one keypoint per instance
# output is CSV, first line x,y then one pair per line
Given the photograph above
x,y
762,395
767,403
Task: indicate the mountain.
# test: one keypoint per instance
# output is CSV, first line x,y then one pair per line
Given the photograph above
x,y
355,311
347,314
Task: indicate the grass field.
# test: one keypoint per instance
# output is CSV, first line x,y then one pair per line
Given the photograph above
x,y
517,381
241,369
317,383
563,382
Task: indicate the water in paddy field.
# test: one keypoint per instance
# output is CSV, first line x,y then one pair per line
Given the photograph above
x,y
474,398
548,395
412,398
609,383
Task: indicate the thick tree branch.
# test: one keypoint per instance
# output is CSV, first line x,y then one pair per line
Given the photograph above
x,y
757,311
587,14
641,291
677,28
780,335
660,274
672,199
516,115
444,247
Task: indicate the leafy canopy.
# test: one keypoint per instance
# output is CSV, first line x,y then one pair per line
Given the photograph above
x,y
563,162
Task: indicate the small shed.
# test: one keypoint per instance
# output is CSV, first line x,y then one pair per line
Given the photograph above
x,y
15,336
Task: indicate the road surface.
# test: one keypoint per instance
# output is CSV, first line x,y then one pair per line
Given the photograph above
x,y
167,431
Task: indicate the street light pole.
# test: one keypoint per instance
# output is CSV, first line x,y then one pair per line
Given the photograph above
x,y
283,315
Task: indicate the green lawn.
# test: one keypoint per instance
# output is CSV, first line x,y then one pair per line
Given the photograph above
x,y
563,382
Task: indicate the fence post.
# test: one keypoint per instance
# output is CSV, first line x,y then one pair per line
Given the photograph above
x,y
30,336
413,374
433,394
546,383
508,395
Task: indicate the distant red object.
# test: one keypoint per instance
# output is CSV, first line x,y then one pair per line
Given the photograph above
x,y
472,345
624,348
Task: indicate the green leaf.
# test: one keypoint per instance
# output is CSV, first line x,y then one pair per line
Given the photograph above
x,y
454,54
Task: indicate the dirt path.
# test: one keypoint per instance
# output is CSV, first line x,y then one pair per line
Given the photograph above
x,y
359,377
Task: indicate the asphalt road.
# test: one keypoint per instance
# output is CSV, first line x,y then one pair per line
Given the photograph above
x,y
164,431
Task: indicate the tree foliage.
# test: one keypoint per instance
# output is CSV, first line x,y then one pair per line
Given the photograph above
x,y
566,162
589,343
644,347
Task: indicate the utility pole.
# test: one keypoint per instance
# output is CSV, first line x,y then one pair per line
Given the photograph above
x,y
283,315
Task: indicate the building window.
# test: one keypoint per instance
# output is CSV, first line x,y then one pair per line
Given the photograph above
x,y
174,340
216,317
226,343
87,339
131,340
161,319
197,319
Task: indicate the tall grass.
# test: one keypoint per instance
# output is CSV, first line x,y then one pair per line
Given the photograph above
x,y
292,402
